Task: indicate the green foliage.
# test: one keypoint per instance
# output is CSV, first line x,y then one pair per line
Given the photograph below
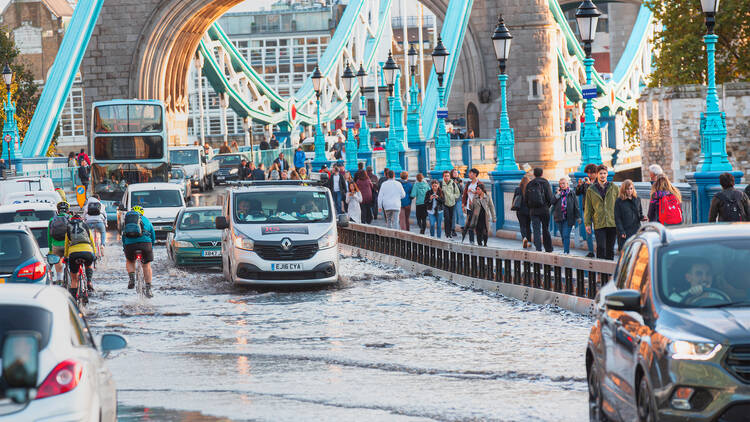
x,y
681,52
632,136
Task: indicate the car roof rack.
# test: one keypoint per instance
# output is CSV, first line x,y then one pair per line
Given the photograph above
x,y
657,228
259,183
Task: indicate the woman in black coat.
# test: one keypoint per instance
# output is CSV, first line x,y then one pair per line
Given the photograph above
x,y
565,211
628,213
522,213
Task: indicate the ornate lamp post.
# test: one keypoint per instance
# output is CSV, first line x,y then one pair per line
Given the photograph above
x,y
442,141
365,149
505,137
390,69
10,128
415,138
587,17
320,139
351,143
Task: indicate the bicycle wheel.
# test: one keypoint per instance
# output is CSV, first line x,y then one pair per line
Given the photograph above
x,y
140,281
83,297
66,276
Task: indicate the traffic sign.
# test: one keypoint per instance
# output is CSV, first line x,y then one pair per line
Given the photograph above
x,y
350,124
363,113
442,113
8,138
589,92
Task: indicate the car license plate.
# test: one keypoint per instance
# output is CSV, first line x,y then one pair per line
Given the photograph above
x,y
219,177
211,253
286,267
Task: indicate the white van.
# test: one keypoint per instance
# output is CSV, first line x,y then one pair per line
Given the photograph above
x,y
161,203
27,189
280,233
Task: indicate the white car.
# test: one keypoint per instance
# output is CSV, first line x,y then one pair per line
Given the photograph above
x,y
34,215
27,189
161,203
65,371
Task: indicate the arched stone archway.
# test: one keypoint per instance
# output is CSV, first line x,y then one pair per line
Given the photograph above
x,y
472,120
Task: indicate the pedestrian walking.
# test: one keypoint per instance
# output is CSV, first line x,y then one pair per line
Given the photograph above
x,y
482,215
365,188
405,214
628,213
583,186
353,201
374,181
418,192
654,171
224,149
729,204
337,186
281,162
600,211
458,215
539,199
666,202
242,170
522,211
434,201
234,147
389,200
565,211
468,196
259,173
72,159
452,194
274,173
299,158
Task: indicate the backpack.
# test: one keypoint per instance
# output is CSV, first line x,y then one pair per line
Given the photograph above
x,y
94,208
133,226
535,196
669,210
58,227
78,232
731,209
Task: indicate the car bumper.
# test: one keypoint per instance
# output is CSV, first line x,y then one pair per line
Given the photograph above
x,y
322,269
70,406
719,395
194,257
161,230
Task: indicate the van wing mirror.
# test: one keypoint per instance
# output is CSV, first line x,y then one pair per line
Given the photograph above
x,y
53,259
342,220
623,300
20,370
221,222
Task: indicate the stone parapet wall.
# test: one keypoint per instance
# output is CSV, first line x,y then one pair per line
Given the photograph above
x,y
670,127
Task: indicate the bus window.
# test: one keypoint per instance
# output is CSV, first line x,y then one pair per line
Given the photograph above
x,y
128,118
128,148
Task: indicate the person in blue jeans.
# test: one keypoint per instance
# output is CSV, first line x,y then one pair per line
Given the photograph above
x,y
458,215
434,200
583,185
565,211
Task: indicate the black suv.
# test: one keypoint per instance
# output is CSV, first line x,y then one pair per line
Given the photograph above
x,y
671,341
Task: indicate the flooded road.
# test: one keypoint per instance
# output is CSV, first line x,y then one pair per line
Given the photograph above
x,y
385,345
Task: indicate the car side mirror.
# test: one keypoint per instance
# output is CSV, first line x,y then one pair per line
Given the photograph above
x,y
623,300
221,222
111,342
20,364
342,220
53,259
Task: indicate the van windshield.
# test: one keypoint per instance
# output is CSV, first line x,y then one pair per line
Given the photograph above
x,y
698,276
282,207
156,198
183,156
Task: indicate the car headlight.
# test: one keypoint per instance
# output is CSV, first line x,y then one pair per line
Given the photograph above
x,y
689,350
242,241
233,171
328,240
182,244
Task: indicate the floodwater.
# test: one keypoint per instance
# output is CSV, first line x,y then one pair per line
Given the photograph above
x,y
384,346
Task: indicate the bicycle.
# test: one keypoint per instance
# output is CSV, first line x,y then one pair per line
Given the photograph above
x,y
140,281
82,295
99,250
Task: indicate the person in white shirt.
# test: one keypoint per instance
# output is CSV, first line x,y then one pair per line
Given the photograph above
x,y
337,186
389,200
97,222
353,200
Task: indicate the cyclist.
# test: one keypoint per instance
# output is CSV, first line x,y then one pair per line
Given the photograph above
x,y
56,231
138,234
79,244
95,216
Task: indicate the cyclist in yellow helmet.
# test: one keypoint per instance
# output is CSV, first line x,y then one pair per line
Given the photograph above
x,y
138,234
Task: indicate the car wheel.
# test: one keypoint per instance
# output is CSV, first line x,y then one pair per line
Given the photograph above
x,y
646,408
596,414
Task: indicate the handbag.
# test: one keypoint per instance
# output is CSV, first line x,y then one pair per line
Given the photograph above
x,y
516,203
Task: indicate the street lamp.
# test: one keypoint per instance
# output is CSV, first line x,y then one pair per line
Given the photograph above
x,y
320,140
415,138
364,132
390,69
587,17
413,58
10,128
351,145
442,141
505,137
710,7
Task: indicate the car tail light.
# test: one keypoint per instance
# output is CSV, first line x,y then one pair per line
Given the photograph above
x,y
62,379
33,271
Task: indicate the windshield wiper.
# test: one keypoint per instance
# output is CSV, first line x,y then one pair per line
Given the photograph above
x,y
729,305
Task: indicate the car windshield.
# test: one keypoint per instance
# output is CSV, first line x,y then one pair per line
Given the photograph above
x,y
184,156
156,198
15,248
176,174
199,219
26,215
697,275
282,207
228,160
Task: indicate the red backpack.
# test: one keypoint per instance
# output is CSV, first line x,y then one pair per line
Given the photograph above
x,y
669,210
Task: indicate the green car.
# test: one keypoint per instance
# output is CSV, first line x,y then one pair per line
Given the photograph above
x,y
194,240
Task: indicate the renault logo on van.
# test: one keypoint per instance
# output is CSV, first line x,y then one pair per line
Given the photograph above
x,y
286,243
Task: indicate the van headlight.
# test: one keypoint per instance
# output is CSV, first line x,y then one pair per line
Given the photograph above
x,y
242,241
328,240
688,350
233,171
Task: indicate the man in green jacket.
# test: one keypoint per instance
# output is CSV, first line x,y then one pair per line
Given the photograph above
x,y
57,245
452,194
600,210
